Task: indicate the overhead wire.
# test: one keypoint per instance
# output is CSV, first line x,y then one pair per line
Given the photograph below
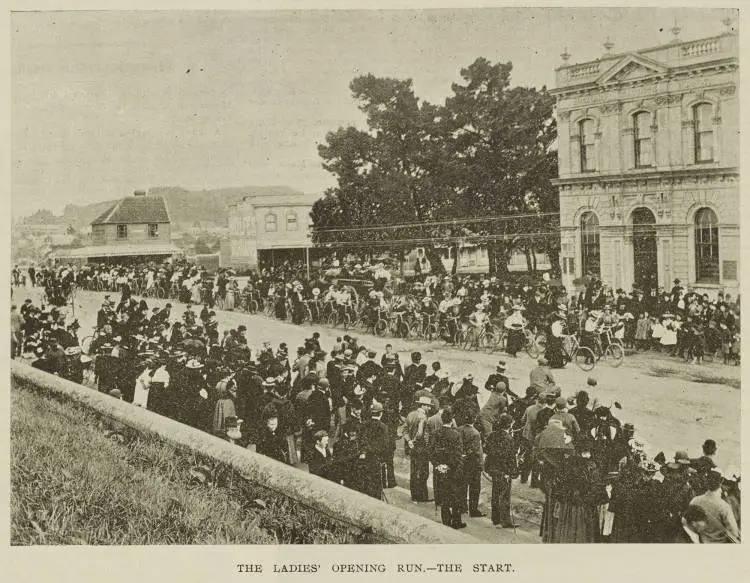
x,y
428,224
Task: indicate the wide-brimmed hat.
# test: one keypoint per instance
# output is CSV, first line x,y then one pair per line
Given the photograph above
x,y
269,382
72,351
194,364
424,400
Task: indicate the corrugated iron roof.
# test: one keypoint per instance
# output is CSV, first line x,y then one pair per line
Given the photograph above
x,y
135,209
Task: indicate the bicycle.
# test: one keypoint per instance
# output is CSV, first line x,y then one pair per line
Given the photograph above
x,y
395,323
450,329
573,352
487,337
613,353
340,315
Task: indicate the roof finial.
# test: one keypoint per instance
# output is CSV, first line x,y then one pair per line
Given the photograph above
x,y
727,22
608,45
565,55
676,30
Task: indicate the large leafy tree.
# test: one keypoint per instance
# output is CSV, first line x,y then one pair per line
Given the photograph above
x,y
503,159
485,152
387,175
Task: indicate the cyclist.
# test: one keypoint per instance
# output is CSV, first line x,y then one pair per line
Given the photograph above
x,y
591,328
515,325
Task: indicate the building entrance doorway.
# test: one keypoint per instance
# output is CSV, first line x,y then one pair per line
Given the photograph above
x,y
645,257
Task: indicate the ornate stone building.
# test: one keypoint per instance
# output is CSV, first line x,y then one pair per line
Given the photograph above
x,y
648,145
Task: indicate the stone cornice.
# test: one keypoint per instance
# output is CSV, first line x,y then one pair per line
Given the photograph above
x,y
657,175
615,104
566,92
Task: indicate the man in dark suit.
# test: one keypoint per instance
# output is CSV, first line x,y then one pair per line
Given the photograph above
x,y
369,368
473,457
374,448
499,377
316,414
445,454
162,316
501,466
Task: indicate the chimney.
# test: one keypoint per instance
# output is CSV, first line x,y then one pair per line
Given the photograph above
x,y
140,193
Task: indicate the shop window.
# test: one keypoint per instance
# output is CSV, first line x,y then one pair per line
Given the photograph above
x,y
590,245
706,246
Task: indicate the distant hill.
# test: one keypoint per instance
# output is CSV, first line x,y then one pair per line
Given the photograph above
x,y
185,206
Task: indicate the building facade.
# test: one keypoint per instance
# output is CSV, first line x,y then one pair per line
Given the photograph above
x,y
648,154
134,229
266,229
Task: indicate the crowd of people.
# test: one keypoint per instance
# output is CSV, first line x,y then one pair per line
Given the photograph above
x,y
342,411
679,322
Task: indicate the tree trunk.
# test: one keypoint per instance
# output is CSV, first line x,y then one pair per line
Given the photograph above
x,y
498,254
533,259
554,259
435,259
456,250
527,253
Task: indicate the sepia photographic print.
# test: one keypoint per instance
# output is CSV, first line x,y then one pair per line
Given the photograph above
x,y
367,277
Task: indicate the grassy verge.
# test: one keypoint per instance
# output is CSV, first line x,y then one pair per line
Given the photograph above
x,y
74,481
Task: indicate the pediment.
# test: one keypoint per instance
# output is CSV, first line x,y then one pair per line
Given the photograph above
x,y
630,67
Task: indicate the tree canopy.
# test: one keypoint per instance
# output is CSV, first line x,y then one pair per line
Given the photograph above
x,y
487,151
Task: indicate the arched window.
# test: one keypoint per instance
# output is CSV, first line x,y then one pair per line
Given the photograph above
x,y
703,132
706,246
291,221
642,139
590,261
271,223
587,148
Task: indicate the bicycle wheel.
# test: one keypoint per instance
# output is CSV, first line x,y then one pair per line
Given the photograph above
x,y
614,354
431,332
466,339
490,338
348,323
403,330
532,348
381,327
332,319
584,358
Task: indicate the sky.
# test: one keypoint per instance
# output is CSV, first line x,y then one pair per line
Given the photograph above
x,y
104,103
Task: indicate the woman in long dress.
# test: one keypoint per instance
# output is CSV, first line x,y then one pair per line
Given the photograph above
x,y
195,292
231,295
142,386
581,491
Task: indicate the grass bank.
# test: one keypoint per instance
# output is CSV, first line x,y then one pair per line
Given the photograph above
x,y
75,481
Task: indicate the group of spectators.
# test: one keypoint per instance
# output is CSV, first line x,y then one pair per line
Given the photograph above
x,y
342,413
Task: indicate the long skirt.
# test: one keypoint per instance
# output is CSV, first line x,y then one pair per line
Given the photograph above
x,y
574,523
229,300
